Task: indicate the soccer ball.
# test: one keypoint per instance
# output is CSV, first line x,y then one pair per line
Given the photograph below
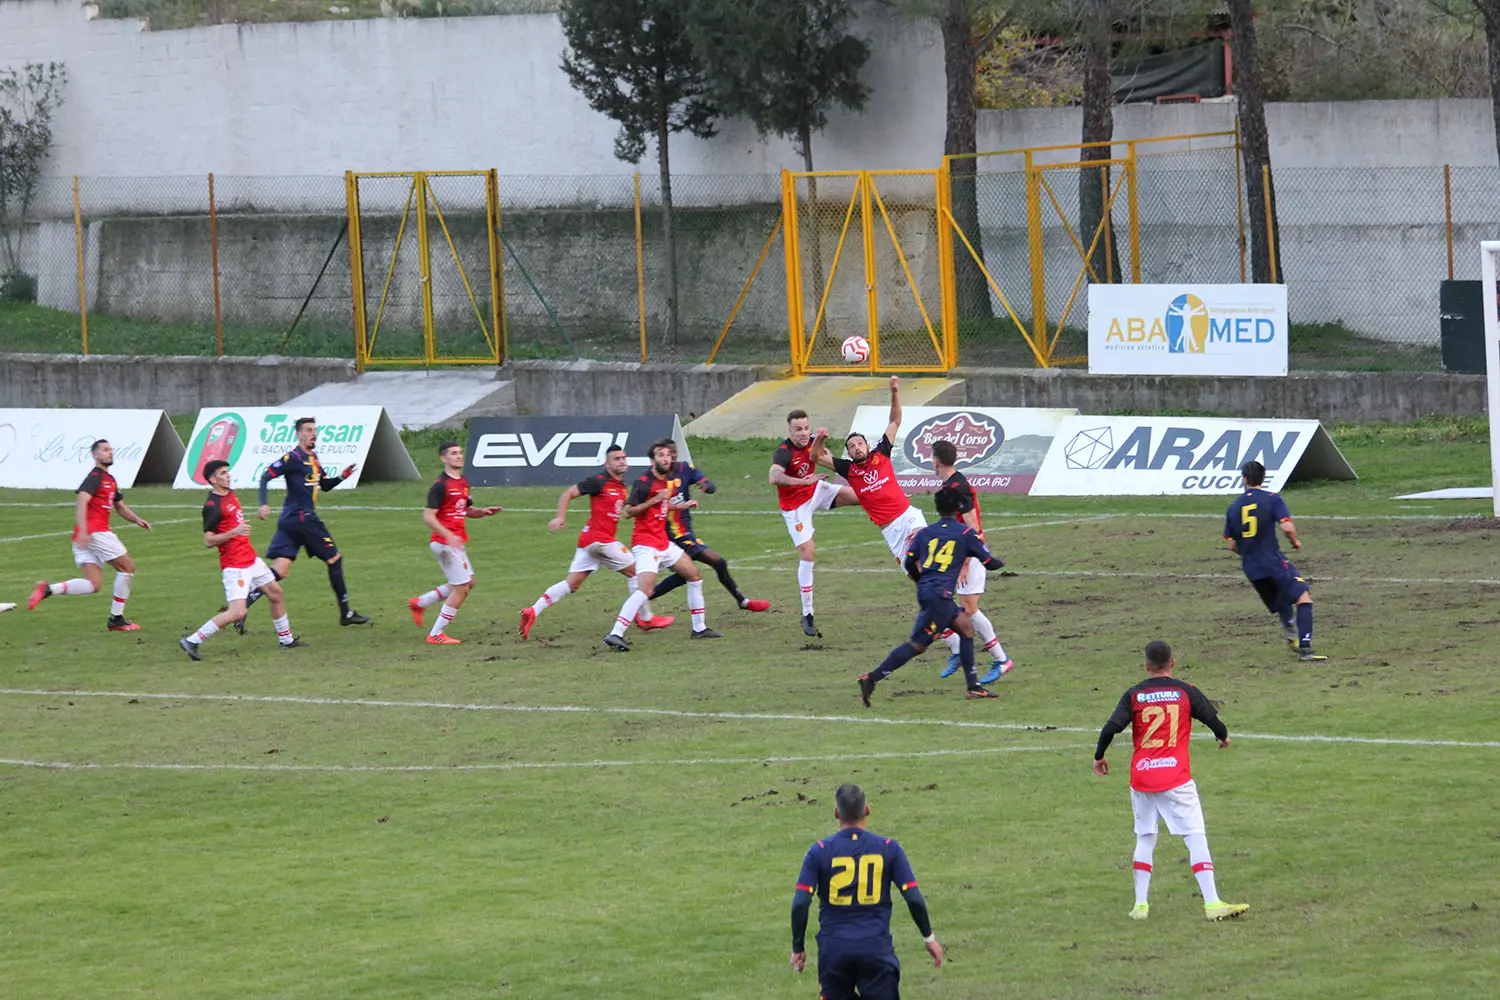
x,y
856,350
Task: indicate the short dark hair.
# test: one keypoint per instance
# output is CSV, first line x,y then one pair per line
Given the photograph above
x,y
443,448
1158,653
856,434
1254,473
612,449
94,448
947,501
303,420
849,800
944,453
209,468
796,415
661,443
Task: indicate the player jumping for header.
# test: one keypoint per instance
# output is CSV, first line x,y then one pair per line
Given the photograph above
x,y
94,545
1160,711
801,490
1250,528
447,509
934,561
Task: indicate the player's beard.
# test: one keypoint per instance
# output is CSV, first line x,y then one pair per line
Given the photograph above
x,y
106,462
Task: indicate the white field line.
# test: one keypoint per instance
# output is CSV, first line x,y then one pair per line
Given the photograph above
x,y
1137,574
58,534
780,554
731,716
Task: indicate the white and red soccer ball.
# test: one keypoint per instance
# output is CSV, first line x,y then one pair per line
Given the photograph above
x,y
856,350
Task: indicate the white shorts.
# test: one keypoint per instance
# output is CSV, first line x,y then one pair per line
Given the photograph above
x,y
455,563
1178,806
973,583
649,560
799,522
239,582
103,546
899,532
611,554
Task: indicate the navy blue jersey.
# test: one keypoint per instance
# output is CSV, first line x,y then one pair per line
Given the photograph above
x,y
936,555
1251,522
304,478
683,476
852,874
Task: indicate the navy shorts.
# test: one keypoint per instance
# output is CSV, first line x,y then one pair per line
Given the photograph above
x,y
1282,589
936,616
874,976
307,533
690,543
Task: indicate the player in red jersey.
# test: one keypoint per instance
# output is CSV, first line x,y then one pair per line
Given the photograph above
x,y
651,498
447,509
1160,712
94,545
971,580
225,528
598,543
801,490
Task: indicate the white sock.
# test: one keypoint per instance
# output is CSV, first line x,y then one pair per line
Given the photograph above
x,y
445,616
985,630
205,630
283,626
805,578
122,594
951,638
430,598
76,588
1203,866
695,604
1145,847
627,612
554,593
634,585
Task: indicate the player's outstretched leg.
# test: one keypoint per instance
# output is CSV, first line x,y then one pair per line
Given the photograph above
x,y
550,596
418,605
1145,849
645,618
347,615
1203,869
72,588
1000,664
974,689
616,638
1304,610
894,660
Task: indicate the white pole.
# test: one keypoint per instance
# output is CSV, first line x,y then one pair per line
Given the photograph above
x,y
1488,293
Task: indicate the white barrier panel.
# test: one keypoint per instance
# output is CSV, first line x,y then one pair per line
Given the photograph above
x,y
49,449
250,438
1187,330
999,449
1157,456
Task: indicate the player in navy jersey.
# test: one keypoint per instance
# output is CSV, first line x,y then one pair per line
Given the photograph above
x,y
1250,528
299,526
854,874
934,559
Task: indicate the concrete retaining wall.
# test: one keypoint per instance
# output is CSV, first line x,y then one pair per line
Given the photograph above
x,y
552,388
177,385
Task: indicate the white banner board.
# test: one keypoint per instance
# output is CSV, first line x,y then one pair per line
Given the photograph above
x,y
49,449
1187,330
999,449
250,438
1156,456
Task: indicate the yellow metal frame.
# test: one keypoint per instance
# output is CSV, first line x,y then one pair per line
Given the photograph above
x,y
421,195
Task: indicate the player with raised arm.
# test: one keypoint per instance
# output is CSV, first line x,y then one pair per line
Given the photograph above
x,y
447,510
934,561
971,581
1250,529
680,533
651,498
299,526
95,545
225,529
598,542
856,874
1160,711
801,490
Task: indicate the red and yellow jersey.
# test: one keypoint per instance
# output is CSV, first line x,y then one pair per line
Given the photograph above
x,y
103,493
798,463
221,513
606,501
1160,713
874,482
970,500
449,496
651,525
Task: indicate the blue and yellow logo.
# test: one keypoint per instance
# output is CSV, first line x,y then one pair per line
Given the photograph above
x,y
1188,326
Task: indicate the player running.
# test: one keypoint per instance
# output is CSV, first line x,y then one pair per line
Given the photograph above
x,y
1250,528
934,561
971,580
856,875
598,542
446,511
299,525
680,533
94,545
1160,711
872,477
801,490
225,528
650,499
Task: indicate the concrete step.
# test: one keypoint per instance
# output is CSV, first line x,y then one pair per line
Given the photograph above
x,y
418,399
760,410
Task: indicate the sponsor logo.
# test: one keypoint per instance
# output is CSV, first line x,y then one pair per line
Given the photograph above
x,y
1155,763
1188,449
577,449
279,428
222,439
1156,697
975,436
1188,326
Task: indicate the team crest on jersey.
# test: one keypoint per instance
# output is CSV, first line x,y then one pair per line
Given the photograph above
x,y
1155,763
975,436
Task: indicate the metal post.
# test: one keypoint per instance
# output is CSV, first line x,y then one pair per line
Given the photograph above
x,y
1034,243
1109,210
872,294
1239,195
424,260
947,274
356,270
1265,179
640,266
793,268
1487,251
1448,214
497,268
213,254
83,303
1132,196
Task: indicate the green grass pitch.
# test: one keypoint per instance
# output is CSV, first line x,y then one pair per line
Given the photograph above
x,y
373,817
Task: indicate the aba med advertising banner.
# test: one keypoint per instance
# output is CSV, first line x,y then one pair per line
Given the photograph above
x,y
559,451
1000,450
1187,330
250,438
1157,456
49,449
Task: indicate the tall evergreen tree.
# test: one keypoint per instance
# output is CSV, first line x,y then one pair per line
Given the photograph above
x,y
1260,186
